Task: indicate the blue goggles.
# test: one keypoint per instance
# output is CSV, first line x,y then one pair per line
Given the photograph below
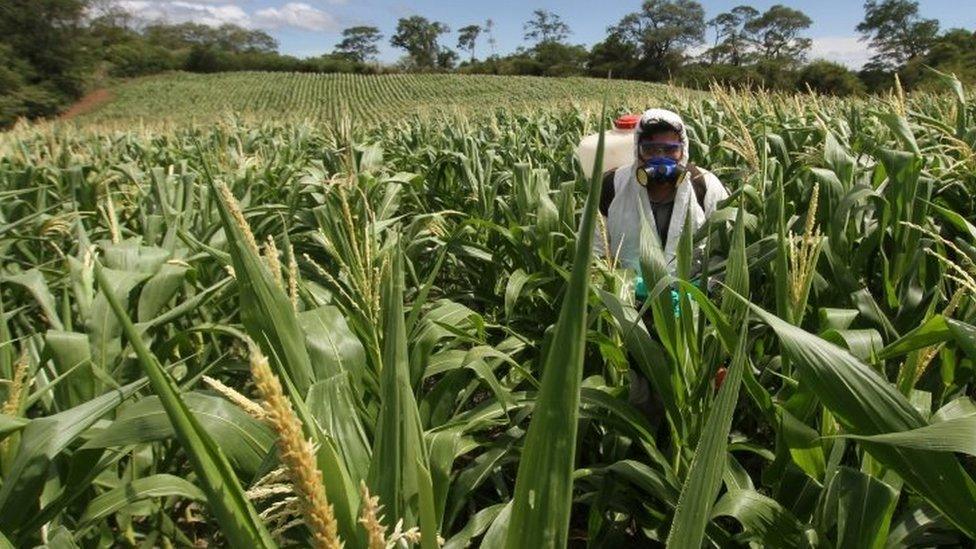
x,y
657,148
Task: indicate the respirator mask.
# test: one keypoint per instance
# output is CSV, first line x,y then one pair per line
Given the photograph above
x,y
660,166
658,170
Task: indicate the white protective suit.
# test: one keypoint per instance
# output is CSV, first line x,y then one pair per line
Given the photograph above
x,y
624,215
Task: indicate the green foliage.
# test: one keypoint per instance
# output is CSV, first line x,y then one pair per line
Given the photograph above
x,y
731,36
545,26
359,43
953,52
429,304
896,31
43,59
419,38
661,31
139,58
468,38
775,33
829,78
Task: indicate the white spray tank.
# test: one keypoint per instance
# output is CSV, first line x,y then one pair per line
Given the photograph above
x,y
618,145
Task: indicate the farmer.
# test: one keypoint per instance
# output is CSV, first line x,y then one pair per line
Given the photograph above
x,y
663,183
668,188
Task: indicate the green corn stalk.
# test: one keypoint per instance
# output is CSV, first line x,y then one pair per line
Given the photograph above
x,y
544,484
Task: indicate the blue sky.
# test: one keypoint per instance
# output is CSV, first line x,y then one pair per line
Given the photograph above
x,y
312,27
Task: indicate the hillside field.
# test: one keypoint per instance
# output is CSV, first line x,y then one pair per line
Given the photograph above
x,y
182,98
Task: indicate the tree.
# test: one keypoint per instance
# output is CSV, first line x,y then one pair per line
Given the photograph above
x,y
418,37
776,33
953,52
489,30
661,32
467,36
359,43
896,31
829,78
545,26
558,59
612,56
446,58
45,56
225,38
731,38
236,39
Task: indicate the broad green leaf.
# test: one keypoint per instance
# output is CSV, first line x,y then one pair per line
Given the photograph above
x,y
244,440
763,519
33,281
71,351
332,403
478,523
238,520
266,311
104,329
951,435
866,404
864,344
426,511
804,444
737,272
159,290
650,358
497,533
544,485
155,486
41,441
9,424
516,281
399,442
934,330
910,530
443,447
864,506
332,346
836,319
704,478
130,256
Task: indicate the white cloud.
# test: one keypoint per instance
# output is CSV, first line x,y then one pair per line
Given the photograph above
x,y
298,15
846,50
209,14
214,13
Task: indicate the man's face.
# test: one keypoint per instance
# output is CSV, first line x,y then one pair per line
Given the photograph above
x,y
665,144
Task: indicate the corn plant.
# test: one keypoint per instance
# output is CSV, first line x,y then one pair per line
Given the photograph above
x,y
260,333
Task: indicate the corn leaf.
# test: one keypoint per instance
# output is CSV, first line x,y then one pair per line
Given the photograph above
x,y
544,484
155,486
238,520
704,478
866,404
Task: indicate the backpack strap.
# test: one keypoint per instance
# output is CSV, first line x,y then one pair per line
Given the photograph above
x,y
698,184
607,192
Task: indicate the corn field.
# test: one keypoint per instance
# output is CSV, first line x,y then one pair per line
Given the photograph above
x,y
304,334
187,98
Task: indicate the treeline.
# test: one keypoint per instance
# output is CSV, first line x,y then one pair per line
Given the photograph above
x,y
51,51
665,41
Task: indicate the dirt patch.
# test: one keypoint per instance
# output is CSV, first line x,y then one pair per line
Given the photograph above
x,y
87,103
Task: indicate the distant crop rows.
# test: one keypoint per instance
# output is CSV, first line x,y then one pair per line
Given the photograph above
x,y
187,98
